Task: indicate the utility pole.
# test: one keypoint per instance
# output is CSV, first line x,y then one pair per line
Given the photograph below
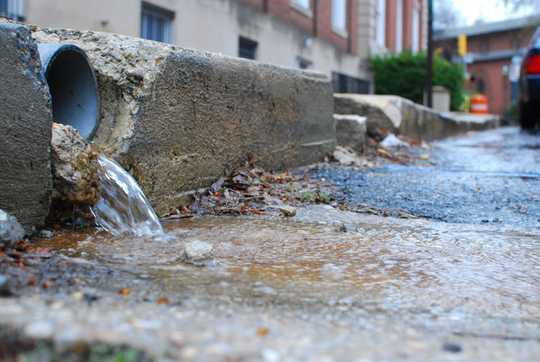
x,y
429,70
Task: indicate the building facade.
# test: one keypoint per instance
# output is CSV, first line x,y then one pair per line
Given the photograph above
x,y
493,57
336,37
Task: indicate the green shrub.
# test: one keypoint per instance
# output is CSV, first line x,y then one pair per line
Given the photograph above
x,y
405,75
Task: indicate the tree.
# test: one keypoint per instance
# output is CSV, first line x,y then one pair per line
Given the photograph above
x,y
445,15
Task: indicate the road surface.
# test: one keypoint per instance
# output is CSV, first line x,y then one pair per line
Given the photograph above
x,y
459,283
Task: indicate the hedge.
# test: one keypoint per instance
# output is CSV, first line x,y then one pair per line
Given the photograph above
x,y
405,75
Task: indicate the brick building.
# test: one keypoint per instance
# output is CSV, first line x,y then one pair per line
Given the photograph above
x,y
336,37
494,55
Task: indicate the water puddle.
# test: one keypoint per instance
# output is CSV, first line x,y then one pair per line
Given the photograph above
x,y
384,266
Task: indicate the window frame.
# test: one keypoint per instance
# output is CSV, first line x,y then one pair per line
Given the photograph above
x,y
158,13
336,28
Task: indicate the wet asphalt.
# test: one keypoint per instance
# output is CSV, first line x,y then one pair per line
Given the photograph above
x,y
488,177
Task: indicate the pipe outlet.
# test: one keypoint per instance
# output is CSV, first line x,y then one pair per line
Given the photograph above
x,y
73,87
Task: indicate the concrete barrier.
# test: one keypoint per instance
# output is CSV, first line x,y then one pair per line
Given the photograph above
x,y
351,131
399,115
178,119
25,129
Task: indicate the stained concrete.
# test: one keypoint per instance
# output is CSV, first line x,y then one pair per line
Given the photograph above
x,y
399,115
178,119
25,129
351,131
74,164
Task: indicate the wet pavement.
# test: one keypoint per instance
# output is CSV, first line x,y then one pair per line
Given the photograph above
x,y
488,177
326,284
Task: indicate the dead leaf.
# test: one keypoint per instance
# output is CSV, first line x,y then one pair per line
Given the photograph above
x,y
163,301
263,332
124,292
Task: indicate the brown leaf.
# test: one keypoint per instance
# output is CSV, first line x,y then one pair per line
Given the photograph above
x,y
163,301
32,281
124,292
263,332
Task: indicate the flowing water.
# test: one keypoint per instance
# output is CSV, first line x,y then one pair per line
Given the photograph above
x,y
123,207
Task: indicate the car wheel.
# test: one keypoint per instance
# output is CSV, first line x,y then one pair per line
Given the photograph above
x,y
527,116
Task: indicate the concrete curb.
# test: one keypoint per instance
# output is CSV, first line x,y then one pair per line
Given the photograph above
x,y
351,131
25,129
178,119
399,115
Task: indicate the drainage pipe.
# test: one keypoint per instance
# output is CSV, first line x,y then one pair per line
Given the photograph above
x,y
73,87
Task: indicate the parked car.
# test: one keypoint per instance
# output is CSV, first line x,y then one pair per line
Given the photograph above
x,y
529,99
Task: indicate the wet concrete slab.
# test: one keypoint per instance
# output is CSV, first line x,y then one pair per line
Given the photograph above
x,y
323,285
326,285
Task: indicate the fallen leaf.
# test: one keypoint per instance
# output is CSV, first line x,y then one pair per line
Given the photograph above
x,y
124,292
163,301
32,281
263,332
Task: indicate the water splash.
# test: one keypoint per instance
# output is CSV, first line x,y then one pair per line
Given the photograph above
x,y
123,208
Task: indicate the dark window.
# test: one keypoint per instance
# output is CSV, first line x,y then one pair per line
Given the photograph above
x,y
480,85
247,48
3,8
302,4
484,45
347,84
156,23
303,63
12,9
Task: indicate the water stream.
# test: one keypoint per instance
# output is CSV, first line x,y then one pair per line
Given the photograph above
x,y
123,207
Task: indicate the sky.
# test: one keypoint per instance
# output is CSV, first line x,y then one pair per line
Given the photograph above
x,y
487,10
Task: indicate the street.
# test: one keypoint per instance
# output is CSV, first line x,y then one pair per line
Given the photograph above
x,y
458,280
491,177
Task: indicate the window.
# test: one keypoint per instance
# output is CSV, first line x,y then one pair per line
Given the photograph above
x,y
346,84
339,15
13,9
303,4
381,23
247,48
415,30
156,23
399,26
485,45
303,63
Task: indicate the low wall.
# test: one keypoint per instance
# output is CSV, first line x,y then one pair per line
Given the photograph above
x,y
178,119
351,131
401,116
